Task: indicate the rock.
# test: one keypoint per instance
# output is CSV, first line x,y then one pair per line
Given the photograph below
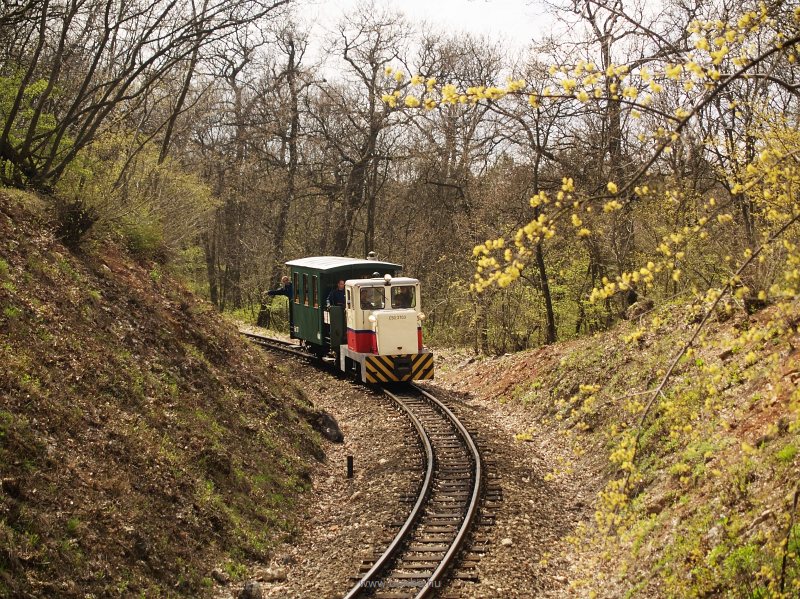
x,y
355,496
507,542
638,309
382,461
275,575
657,505
220,576
764,516
714,535
251,590
326,425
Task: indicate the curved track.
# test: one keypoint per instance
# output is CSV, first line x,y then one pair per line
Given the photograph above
x,y
426,547
417,560
279,344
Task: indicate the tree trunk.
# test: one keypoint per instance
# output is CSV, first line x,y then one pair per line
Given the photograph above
x,y
550,330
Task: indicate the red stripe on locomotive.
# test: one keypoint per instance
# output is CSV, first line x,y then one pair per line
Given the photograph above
x,y
364,342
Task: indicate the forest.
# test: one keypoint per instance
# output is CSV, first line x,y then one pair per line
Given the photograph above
x,y
627,183
206,136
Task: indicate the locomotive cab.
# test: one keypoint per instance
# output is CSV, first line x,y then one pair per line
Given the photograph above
x,y
383,316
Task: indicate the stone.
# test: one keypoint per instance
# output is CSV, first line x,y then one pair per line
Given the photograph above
x,y
275,575
507,542
220,576
638,309
251,590
326,425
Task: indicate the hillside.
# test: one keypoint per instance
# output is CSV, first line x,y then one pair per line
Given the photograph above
x,y
142,443
713,487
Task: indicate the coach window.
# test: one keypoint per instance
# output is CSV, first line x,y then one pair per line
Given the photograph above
x,y
404,296
372,298
305,289
349,299
314,298
296,289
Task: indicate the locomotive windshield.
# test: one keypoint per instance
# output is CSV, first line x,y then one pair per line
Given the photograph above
x,y
372,298
403,296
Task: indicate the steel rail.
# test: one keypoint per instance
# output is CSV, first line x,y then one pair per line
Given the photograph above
x,y
370,581
279,344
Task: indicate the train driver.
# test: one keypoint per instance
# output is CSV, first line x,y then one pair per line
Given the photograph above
x,y
372,298
403,297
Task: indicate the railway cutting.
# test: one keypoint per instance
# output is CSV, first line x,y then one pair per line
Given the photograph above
x,y
434,539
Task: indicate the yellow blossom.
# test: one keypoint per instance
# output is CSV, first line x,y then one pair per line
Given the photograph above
x,y
412,101
612,187
568,85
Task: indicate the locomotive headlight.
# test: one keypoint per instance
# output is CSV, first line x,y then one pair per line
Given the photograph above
x,y
372,318
420,316
388,278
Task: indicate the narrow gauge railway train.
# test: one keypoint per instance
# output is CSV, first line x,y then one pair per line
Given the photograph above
x,y
377,333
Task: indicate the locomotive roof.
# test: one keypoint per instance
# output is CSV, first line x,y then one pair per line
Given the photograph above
x,y
382,283
334,263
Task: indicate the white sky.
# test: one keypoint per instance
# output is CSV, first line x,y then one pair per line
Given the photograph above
x,y
517,21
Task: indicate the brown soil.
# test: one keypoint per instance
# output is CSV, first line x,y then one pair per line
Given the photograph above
x,y
142,442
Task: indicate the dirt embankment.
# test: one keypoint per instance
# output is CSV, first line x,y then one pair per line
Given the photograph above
x,y
142,443
711,504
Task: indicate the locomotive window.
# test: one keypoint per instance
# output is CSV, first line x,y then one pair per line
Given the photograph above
x,y
305,289
296,288
349,299
314,298
372,298
404,296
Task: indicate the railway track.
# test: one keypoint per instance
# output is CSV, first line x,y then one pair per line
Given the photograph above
x,y
435,533
418,559
278,344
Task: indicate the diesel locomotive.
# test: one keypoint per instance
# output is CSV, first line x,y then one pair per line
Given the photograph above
x,y
376,334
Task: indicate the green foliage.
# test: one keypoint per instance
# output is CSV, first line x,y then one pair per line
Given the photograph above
x,y
9,89
158,208
143,235
12,312
787,453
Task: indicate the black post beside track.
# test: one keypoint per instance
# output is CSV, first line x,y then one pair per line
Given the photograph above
x,y
415,563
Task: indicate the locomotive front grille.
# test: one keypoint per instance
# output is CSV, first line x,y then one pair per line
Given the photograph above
x,y
402,366
409,367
